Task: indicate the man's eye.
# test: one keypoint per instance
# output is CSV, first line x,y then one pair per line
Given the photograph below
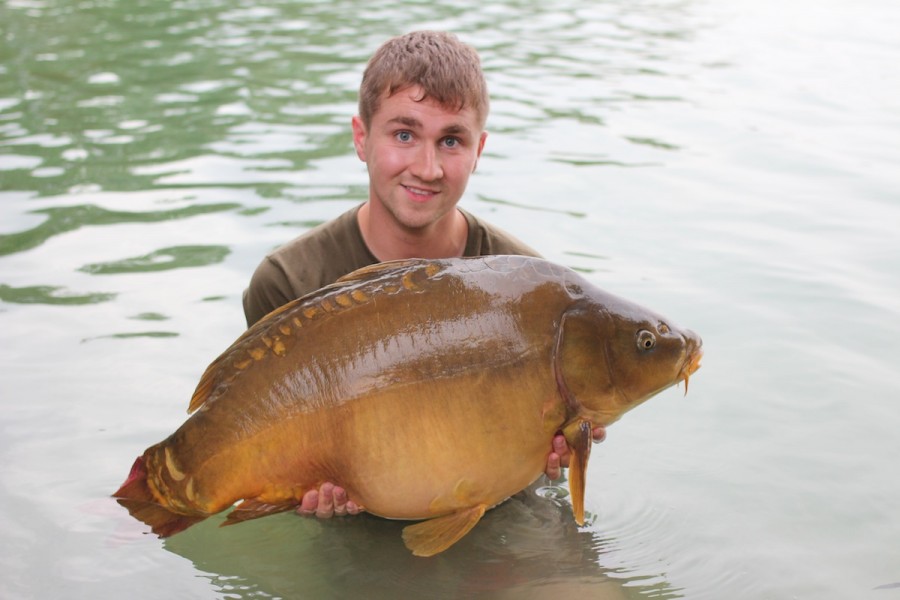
x,y
451,142
404,136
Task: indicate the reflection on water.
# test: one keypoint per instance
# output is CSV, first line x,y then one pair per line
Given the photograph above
x,y
528,547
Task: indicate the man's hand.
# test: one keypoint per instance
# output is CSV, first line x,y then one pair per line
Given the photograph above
x,y
559,452
326,502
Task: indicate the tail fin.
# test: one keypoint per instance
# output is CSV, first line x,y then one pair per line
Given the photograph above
x,y
135,495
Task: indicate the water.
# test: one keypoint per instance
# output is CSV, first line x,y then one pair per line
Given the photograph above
x,y
731,164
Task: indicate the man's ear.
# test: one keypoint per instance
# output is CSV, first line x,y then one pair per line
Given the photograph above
x,y
481,141
359,137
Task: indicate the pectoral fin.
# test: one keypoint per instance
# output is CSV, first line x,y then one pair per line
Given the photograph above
x,y
254,509
579,439
436,535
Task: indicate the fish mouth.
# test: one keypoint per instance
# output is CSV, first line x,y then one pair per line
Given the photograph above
x,y
690,366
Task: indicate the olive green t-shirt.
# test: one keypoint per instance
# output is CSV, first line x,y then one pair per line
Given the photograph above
x,y
326,253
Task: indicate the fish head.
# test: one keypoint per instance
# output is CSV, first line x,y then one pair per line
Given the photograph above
x,y
614,355
611,355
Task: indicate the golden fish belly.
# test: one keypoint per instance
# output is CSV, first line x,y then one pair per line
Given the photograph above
x,y
452,444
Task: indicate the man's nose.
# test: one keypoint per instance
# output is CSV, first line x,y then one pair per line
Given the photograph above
x,y
427,164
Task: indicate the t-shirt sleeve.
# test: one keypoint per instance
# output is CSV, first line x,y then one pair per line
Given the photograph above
x,y
269,289
306,263
507,244
486,239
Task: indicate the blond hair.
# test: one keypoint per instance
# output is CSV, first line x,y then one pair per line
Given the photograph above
x,y
447,70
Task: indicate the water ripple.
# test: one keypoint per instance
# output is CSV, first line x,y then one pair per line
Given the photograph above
x,y
63,219
164,259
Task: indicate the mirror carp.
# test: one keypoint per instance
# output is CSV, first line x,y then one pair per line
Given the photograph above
x,y
429,389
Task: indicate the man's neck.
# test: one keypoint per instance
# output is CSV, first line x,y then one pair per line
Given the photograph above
x,y
444,239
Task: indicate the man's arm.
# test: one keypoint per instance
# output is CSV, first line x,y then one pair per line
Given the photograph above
x,y
269,288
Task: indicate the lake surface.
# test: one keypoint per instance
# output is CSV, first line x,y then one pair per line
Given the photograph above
x,y
731,164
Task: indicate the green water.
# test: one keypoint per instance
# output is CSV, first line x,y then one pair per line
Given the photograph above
x,y
731,164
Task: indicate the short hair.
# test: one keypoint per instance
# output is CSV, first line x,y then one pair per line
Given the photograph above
x,y
448,71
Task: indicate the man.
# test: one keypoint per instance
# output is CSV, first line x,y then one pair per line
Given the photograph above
x,y
423,104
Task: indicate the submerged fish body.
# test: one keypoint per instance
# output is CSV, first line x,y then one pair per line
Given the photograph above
x,y
429,389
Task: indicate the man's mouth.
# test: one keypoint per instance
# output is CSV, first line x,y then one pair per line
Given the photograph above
x,y
419,193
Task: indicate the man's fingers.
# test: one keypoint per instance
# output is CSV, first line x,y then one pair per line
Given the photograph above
x,y
340,502
554,459
561,448
309,503
325,509
328,501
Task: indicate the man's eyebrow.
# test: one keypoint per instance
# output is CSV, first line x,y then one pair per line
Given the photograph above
x,y
407,121
413,123
456,129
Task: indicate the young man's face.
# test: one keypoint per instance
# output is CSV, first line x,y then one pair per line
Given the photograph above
x,y
419,156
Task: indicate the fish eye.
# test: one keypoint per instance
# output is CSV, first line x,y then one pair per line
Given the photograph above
x,y
645,340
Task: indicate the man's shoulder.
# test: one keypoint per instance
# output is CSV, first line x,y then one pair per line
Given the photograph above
x,y
488,239
312,260
331,238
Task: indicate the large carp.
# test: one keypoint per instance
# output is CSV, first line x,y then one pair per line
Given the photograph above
x,y
429,389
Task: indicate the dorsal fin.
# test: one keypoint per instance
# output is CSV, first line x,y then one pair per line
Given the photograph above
x,y
220,370
208,382
215,372
377,268
256,343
